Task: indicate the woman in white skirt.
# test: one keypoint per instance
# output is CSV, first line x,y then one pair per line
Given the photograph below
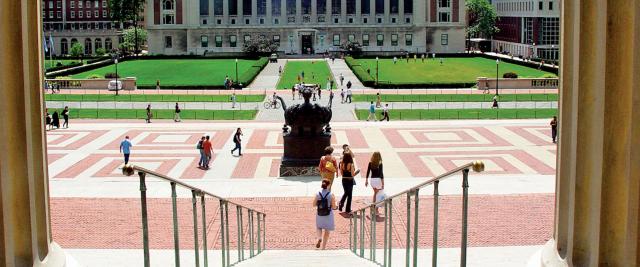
x,y
375,172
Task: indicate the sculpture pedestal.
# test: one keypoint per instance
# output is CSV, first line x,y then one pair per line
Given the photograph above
x,y
302,155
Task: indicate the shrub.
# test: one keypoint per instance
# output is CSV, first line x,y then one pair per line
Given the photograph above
x,y
76,50
360,72
58,64
63,78
549,75
111,75
101,51
95,76
510,75
246,78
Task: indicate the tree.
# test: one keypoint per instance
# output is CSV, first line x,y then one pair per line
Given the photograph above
x,y
123,11
352,48
482,19
130,40
260,47
76,50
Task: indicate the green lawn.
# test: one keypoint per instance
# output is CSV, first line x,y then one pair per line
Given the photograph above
x,y
455,114
456,98
453,70
316,71
176,72
161,114
51,63
153,98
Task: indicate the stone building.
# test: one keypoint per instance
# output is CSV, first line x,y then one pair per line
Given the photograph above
x,y
305,26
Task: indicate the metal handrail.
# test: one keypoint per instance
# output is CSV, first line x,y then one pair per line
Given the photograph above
x,y
257,239
357,224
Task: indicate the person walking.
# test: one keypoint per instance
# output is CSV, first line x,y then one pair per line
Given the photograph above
x,y
65,116
385,112
330,98
176,115
554,128
158,85
317,88
280,70
293,92
349,84
328,165
332,83
395,60
329,83
207,147
342,95
372,112
149,114
56,120
375,172
203,157
233,99
347,170
125,149
349,95
341,79
378,100
495,102
237,142
48,119
325,203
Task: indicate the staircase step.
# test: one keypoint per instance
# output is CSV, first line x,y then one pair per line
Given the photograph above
x,y
304,258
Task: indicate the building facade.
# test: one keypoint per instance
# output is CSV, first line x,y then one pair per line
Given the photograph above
x,y
528,28
79,21
305,26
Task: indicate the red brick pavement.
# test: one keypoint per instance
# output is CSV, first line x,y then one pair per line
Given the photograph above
x,y
103,223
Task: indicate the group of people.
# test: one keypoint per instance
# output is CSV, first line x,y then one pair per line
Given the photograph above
x,y
52,121
331,168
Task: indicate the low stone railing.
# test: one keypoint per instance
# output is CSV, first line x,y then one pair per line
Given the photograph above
x,y
518,83
128,83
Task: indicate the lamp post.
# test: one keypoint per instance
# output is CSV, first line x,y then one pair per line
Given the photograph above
x,y
117,85
497,75
377,67
237,82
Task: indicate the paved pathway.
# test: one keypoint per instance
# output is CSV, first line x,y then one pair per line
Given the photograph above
x,y
156,105
268,77
341,112
462,105
511,203
339,66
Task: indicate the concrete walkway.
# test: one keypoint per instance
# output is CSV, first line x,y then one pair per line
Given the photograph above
x,y
268,77
462,105
341,112
155,105
339,66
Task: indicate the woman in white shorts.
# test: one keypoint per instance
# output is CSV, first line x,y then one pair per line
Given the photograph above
x,y
375,172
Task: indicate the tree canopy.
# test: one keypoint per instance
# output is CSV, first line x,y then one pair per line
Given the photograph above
x,y
125,10
482,18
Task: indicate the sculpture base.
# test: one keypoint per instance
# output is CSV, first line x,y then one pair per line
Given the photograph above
x,y
288,171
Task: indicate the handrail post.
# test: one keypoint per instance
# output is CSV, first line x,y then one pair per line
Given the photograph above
x,y
465,210
176,242
408,248
194,202
250,233
372,238
362,234
259,234
351,234
386,224
204,231
415,228
223,247
145,223
239,224
226,225
390,248
264,232
436,194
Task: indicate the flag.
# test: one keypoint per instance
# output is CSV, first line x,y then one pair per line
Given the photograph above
x,y
44,43
51,44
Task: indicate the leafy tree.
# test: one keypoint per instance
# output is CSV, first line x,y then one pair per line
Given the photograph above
x,y
482,18
76,50
124,11
260,47
101,51
352,48
129,38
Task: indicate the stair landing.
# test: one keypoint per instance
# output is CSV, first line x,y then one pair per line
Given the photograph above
x,y
304,258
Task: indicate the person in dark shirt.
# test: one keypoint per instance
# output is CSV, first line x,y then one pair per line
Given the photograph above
x,y
65,116
554,129
237,142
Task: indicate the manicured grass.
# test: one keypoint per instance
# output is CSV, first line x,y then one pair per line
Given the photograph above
x,y
456,98
453,70
176,72
455,114
153,98
51,63
160,114
315,72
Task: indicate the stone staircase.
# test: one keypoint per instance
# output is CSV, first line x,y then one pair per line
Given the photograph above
x,y
304,258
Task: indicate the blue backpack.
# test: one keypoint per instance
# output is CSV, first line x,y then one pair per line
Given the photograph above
x,y
324,207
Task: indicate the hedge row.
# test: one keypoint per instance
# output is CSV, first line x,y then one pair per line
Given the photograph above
x,y
161,114
360,72
151,98
70,65
248,76
461,114
455,97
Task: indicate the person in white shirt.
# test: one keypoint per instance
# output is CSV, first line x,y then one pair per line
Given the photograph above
x,y
385,112
349,94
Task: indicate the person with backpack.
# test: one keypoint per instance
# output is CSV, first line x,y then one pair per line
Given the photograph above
x,y
207,148
203,157
325,203
237,142
328,165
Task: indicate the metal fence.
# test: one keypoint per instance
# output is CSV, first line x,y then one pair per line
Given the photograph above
x,y
365,235
249,226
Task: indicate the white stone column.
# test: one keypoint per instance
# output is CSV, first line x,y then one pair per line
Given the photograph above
x,y
401,11
284,16
358,17
240,12
225,11
420,12
343,11
254,13
372,10
314,11
299,11
329,13
387,11
269,19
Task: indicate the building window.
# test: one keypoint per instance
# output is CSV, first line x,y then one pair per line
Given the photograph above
x,y
444,3
87,4
261,21
379,6
218,40
306,7
73,14
204,41
351,38
379,20
168,19
98,43
247,38
336,7
204,22
408,6
96,4
291,7
350,20
550,34
72,4
394,40
59,4
336,20
276,39
87,47
218,8
59,14
168,5
365,7
444,39
444,17
550,5
88,14
233,41
336,40
79,4
104,13
107,44
351,7
407,20
167,42
365,40
262,7
233,21
540,5
276,21
64,46
276,7
408,39
247,21
80,14
380,39
96,14
218,21
104,3
365,20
